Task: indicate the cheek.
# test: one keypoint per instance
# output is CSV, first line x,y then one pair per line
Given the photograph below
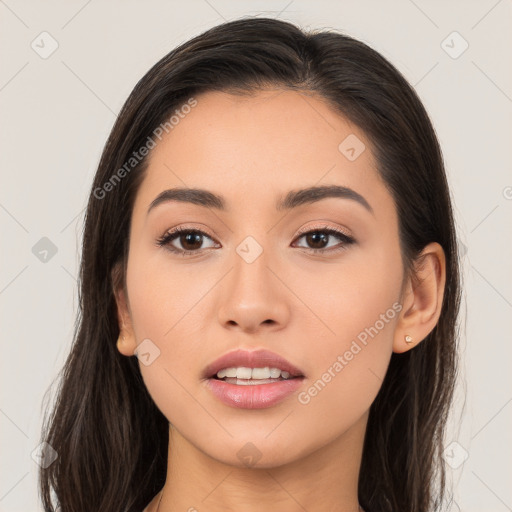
x,y
167,309
163,297
356,310
159,312
347,373
348,299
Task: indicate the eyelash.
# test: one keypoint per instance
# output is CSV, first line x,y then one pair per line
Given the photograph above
x,y
167,238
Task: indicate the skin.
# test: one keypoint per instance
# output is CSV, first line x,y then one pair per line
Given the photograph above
x,y
306,307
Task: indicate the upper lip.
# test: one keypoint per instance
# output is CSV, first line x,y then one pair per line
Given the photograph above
x,y
251,359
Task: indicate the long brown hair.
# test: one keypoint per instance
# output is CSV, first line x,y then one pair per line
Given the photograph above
x,y
110,437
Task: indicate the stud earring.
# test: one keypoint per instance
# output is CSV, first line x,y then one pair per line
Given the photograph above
x,y
408,339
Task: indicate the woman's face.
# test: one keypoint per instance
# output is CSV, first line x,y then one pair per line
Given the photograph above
x,y
254,280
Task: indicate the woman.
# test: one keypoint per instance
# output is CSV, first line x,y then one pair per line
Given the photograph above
x,y
269,289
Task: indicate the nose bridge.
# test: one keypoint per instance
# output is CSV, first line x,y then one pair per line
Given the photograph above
x,y
253,295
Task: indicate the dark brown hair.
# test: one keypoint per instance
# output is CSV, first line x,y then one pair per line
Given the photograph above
x,y
110,437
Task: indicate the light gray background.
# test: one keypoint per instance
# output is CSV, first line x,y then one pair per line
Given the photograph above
x,y
57,113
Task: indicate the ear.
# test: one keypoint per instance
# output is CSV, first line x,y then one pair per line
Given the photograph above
x,y
126,342
422,298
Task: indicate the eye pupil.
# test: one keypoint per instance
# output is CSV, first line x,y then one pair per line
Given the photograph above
x,y
191,238
315,236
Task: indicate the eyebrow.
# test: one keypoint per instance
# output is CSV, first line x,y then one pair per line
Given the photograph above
x,y
292,199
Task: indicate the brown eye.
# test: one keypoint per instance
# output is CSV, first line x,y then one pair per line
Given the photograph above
x,y
317,240
190,240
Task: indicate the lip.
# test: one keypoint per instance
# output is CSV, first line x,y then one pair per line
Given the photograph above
x,y
258,396
251,359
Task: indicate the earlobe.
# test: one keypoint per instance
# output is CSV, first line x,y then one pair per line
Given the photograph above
x,y
124,345
423,299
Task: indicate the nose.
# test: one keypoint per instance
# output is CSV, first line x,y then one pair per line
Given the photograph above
x,y
253,297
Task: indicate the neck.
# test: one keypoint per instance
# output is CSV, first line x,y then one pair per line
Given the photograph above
x,y
325,479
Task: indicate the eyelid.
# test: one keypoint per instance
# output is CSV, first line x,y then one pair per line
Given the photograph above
x,y
301,231
315,227
187,227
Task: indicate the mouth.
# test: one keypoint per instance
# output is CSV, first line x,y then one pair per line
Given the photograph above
x,y
249,368
252,380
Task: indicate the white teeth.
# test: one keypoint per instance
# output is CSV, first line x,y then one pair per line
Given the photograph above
x,y
275,373
261,373
243,372
226,372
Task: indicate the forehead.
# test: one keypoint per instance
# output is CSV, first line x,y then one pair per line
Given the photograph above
x,y
255,148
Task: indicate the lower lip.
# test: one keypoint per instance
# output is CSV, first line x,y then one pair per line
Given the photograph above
x,y
257,396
